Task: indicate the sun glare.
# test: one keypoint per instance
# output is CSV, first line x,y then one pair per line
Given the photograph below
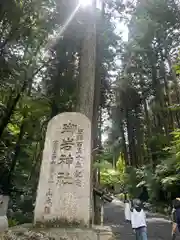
x,y
85,3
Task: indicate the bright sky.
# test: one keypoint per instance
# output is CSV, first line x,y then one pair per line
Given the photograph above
x,y
85,3
121,27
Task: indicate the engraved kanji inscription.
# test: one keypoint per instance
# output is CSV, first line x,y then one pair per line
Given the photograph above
x,y
54,152
48,202
78,164
78,182
79,147
47,210
78,174
79,157
49,193
80,136
67,144
51,174
69,128
66,159
64,178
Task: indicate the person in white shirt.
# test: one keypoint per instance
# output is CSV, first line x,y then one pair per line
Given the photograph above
x,y
138,220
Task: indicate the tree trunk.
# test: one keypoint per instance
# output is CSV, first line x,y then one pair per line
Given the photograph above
x,y
148,131
131,139
146,121
87,67
86,84
175,88
161,115
176,85
16,154
97,88
97,113
168,98
139,146
10,109
125,152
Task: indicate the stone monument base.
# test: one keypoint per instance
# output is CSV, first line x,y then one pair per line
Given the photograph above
x,y
26,231
3,223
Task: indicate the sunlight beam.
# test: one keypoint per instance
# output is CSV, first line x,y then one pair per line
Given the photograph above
x,y
59,33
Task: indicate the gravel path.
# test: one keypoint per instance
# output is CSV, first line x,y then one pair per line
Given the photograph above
x,y
158,227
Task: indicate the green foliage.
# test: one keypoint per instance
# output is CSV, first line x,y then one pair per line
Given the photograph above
x,y
12,222
131,182
109,175
157,144
120,165
146,110
163,183
176,67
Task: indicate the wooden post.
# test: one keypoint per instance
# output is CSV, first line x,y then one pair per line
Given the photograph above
x,y
102,213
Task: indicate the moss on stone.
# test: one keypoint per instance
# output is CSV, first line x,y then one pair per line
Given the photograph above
x,y
27,235
60,222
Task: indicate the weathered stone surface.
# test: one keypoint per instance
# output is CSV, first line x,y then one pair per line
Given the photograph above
x,y
3,223
22,233
4,200
64,195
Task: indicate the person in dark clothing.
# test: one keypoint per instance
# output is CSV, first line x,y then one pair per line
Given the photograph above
x,y
144,196
125,197
175,217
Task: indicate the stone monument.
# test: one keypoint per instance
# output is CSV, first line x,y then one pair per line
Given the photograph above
x,y
3,211
63,200
64,190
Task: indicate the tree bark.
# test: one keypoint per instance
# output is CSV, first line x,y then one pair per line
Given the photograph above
x,y
168,98
10,109
147,121
139,132
16,154
176,85
97,114
86,84
148,132
87,67
125,152
131,139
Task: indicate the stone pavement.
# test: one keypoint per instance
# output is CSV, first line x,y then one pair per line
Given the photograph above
x,y
158,227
